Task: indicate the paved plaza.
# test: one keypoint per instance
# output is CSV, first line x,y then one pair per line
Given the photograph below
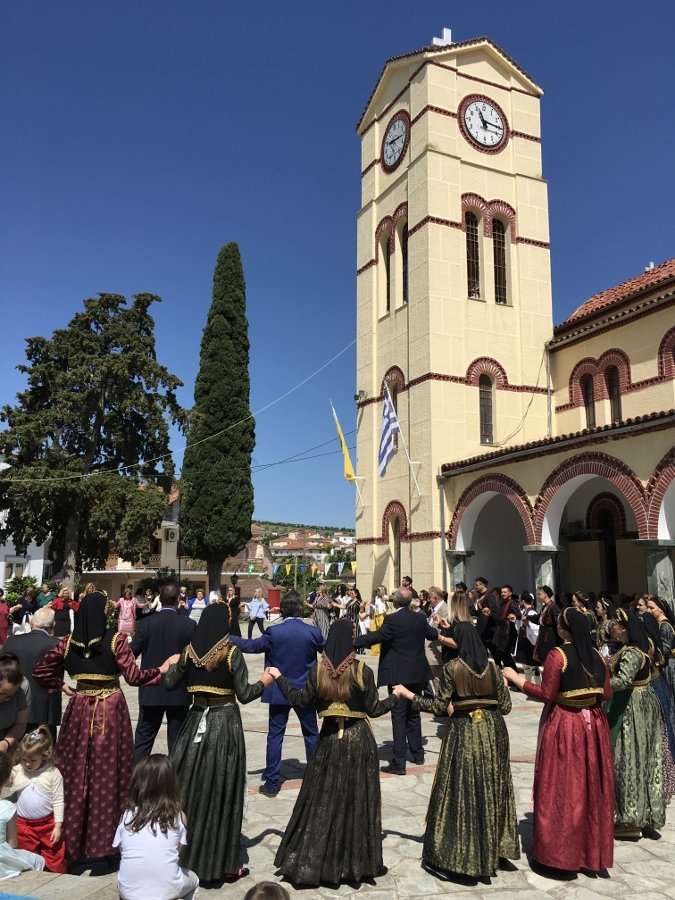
x,y
645,869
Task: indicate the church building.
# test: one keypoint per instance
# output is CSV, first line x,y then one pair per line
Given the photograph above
x,y
527,453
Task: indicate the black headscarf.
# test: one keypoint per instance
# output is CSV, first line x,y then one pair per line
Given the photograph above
x,y
91,624
339,653
470,648
665,609
652,629
211,634
637,636
576,622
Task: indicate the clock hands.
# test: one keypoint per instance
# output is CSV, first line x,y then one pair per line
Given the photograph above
x,y
486,124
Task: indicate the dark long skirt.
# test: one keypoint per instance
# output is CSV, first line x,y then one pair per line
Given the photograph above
x,y
471,821
212,778
95,753
335,830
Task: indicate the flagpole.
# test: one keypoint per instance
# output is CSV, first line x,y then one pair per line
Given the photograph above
x,y
405,446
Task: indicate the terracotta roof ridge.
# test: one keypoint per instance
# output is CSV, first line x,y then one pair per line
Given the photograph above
x,y
649,279
558,438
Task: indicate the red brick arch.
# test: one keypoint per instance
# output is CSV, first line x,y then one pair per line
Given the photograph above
x,y
393,375
386,227
485,365
496,484
400,213
500,209
666,358
609,358
663,477
586,366
393,510
606,502
600,465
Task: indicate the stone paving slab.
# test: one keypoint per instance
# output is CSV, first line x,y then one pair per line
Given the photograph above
x,y
645,868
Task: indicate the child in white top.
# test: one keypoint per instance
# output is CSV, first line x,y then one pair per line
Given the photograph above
x,y
12,861
39,788
150,833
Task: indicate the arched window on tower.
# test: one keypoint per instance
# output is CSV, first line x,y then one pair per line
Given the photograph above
x,y
499,255
613,392
588,395
485,408
395,547
472,255
404,261
387,273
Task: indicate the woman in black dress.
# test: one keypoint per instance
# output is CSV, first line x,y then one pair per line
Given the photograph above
x,y
335,831
209,753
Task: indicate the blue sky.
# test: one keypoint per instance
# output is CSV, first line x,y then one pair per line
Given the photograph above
x,y
139,137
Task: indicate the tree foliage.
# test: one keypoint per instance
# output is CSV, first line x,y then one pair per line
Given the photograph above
x,y
216,487
87,441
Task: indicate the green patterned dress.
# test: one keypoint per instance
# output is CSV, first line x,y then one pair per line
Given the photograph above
x,y
471,821
634,719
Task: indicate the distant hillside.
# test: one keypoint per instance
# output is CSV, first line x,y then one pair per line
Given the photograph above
x,y
281,527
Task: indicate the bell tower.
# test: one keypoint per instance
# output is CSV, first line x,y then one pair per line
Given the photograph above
x,y
453,288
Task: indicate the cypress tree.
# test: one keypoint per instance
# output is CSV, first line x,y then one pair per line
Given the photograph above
x,y
216,486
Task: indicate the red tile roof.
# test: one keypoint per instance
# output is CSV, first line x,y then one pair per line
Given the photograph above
x,y
658,420
627,290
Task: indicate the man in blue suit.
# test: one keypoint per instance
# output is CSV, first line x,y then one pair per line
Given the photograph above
x,y
291,646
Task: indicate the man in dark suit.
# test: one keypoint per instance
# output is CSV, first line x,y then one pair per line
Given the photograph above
x,y
291,646
158,637
403,661
44,709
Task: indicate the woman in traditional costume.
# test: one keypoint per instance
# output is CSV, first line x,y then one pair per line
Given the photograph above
x,y
335,830
209,753
634,716
471,822
667,707
95,747
573,777
665,619
322,606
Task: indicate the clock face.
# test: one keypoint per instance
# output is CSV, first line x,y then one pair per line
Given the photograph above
x,y
395,141
483,123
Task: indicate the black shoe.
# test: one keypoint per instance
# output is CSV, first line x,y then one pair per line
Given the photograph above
x,y
392,770
419,760
268,791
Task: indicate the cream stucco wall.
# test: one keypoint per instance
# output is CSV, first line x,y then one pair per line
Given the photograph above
x,y
440,332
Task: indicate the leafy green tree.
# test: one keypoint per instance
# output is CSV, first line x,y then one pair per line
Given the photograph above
x,y
88,439
216,487
16,588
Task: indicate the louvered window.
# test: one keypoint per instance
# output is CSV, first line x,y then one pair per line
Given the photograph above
x,y
588,394
404,261
485,408
613,392
499,251
472,255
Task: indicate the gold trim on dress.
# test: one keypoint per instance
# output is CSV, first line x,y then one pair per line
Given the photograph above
x,y
338,710
201,661
95,676
474,704
564,656
577,692
467,666
210,689
359,674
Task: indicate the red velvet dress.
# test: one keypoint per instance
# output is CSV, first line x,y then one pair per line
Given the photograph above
x,y
574,772
95,747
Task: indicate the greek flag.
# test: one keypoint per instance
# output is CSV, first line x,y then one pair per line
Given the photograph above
x,y
390,427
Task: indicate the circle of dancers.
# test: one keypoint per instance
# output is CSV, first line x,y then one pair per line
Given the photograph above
x,y
604,767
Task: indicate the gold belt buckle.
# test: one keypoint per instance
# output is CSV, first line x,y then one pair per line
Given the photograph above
x,y
476,716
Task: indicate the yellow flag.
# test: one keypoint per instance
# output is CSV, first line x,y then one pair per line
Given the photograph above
x,y
354,566
288,568
349,469
314,567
